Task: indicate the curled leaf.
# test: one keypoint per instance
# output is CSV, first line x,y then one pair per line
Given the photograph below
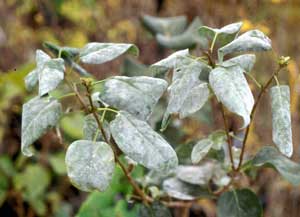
x,y
281,119
253,40
98,53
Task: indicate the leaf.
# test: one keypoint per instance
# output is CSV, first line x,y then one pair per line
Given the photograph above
x,y
57,162
281,119
132,68
183,191
231,88
51,74
223,35
142,144
253,40
197,175
33,183
239,203
38,115
187,94
90,165
156,209
187,39
164,65
287,168
136,95
72,124
200,150
165,25
214,141
98,53
4,187
245,61
32,78
91,130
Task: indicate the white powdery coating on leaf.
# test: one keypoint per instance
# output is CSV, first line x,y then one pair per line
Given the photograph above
x,y
182,190
98,53
32,78
245,61
90,165
197,175
200,150
253,40
142,144
289,169
136,95
231,88
51,74
195,100
281,119
187,94
91,130
38,115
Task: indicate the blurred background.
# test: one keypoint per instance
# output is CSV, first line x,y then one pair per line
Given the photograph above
x,y
38,186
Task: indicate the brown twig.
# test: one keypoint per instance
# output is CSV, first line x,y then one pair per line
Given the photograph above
x,y
229,141
263,89
93,110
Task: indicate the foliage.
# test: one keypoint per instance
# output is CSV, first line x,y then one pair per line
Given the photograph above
x,y
122,108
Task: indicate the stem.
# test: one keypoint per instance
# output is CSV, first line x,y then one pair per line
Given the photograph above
x,y
107,109
253,79
66,95
213,43
227,136
264,88
144,197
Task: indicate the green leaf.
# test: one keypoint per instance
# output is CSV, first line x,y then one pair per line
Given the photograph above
x,y
98,53
132,68
156,209
50,75
221,36
136,95
142,144
187,39
253,40
197,175
184,191
91,130
164,65
7,166
187,94
287,168
57,162
239,203
72,124
200,150
165,25
245,61
90,165
38,115
33,183
4,187
281,119
231,88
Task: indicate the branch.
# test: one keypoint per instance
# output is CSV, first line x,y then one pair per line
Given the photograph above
x,y
93,110
229,143
263,90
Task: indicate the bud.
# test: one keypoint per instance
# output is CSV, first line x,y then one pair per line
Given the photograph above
x,y
283,61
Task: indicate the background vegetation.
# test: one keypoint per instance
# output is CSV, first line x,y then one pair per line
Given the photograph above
x,y
28,188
